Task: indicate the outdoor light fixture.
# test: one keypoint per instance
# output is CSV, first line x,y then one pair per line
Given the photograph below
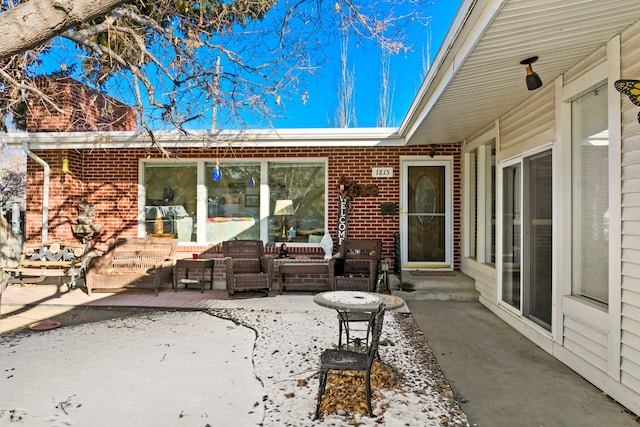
x,y
533,79
284,208
432,151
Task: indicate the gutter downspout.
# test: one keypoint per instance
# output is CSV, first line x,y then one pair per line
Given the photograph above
x,y
45,192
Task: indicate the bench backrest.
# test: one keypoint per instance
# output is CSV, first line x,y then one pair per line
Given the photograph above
x,y
53,253
141,253
248,256
359,253
246,249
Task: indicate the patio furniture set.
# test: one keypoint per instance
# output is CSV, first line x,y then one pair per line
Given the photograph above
x,y
150,263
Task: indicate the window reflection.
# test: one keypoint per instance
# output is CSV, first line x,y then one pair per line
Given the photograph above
x,y
170,205
233,202
304,184
232,205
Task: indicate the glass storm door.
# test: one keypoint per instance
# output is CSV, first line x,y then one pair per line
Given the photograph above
x,y
425,222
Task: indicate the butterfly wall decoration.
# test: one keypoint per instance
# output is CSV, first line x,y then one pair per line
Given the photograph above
x,y
631,88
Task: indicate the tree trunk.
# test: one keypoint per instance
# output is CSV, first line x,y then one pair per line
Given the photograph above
x,y
35,22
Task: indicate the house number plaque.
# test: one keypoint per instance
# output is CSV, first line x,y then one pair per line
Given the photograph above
x,y
382,172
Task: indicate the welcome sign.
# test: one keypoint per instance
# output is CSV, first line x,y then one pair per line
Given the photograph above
x,y
343,217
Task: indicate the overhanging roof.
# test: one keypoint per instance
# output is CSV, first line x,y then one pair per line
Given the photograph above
x,y
334,137
477,76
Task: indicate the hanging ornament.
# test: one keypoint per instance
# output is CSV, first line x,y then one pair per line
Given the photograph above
x,y
251,183
217,173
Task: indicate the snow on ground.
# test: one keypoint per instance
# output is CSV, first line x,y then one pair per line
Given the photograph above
x,y
199,369
287,349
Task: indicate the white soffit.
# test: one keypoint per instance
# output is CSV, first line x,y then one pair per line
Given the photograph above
x,y
478,77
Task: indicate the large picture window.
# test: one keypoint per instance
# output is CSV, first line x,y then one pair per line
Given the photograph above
x,y
590,201
273,201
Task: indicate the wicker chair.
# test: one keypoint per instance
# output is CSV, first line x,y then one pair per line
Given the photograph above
x,y
349,360
247,267
356,265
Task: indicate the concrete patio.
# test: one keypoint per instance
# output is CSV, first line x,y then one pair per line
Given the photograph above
x,y
499,377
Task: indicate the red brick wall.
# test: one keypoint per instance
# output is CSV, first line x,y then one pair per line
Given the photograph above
x,y
109,180
83,109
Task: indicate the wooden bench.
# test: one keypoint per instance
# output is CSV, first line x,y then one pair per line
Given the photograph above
x,y
55,258
137,262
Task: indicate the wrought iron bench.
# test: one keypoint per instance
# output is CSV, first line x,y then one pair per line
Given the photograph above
x,y
55,258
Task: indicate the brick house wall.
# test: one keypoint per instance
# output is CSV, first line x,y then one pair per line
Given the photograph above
x,y
83,109
109,180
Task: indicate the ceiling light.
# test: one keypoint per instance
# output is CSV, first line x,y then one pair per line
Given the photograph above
x,y
533,79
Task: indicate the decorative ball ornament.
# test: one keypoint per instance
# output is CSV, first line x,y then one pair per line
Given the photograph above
x,y
217,173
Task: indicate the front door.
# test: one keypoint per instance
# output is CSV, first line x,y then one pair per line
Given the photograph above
x,y
425,220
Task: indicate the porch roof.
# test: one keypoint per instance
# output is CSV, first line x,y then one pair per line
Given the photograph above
x,y
331,137
477,76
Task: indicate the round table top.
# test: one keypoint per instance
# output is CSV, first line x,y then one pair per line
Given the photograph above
x,y
357,301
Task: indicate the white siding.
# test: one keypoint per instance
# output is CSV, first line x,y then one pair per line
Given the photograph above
x,y
596,58
522,127
630,280
586,341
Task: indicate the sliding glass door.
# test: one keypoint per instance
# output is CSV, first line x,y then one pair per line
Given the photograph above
x,y
526,243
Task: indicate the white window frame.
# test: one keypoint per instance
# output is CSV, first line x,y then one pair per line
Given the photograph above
x,y
481,144
201,192
592,315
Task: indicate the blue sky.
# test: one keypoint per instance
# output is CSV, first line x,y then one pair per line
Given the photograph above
x,y
407,73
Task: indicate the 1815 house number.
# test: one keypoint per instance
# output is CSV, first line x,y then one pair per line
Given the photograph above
x,y
382,172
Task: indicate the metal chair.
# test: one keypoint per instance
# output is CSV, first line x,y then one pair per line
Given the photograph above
x,y
348,360
345,318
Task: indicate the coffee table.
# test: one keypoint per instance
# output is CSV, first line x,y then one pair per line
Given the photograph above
x,y
195,272
302,268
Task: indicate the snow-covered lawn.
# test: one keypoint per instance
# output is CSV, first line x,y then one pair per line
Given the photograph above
x,y
198,368
287,349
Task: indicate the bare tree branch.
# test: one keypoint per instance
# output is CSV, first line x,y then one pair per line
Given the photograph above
x,y
162,54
